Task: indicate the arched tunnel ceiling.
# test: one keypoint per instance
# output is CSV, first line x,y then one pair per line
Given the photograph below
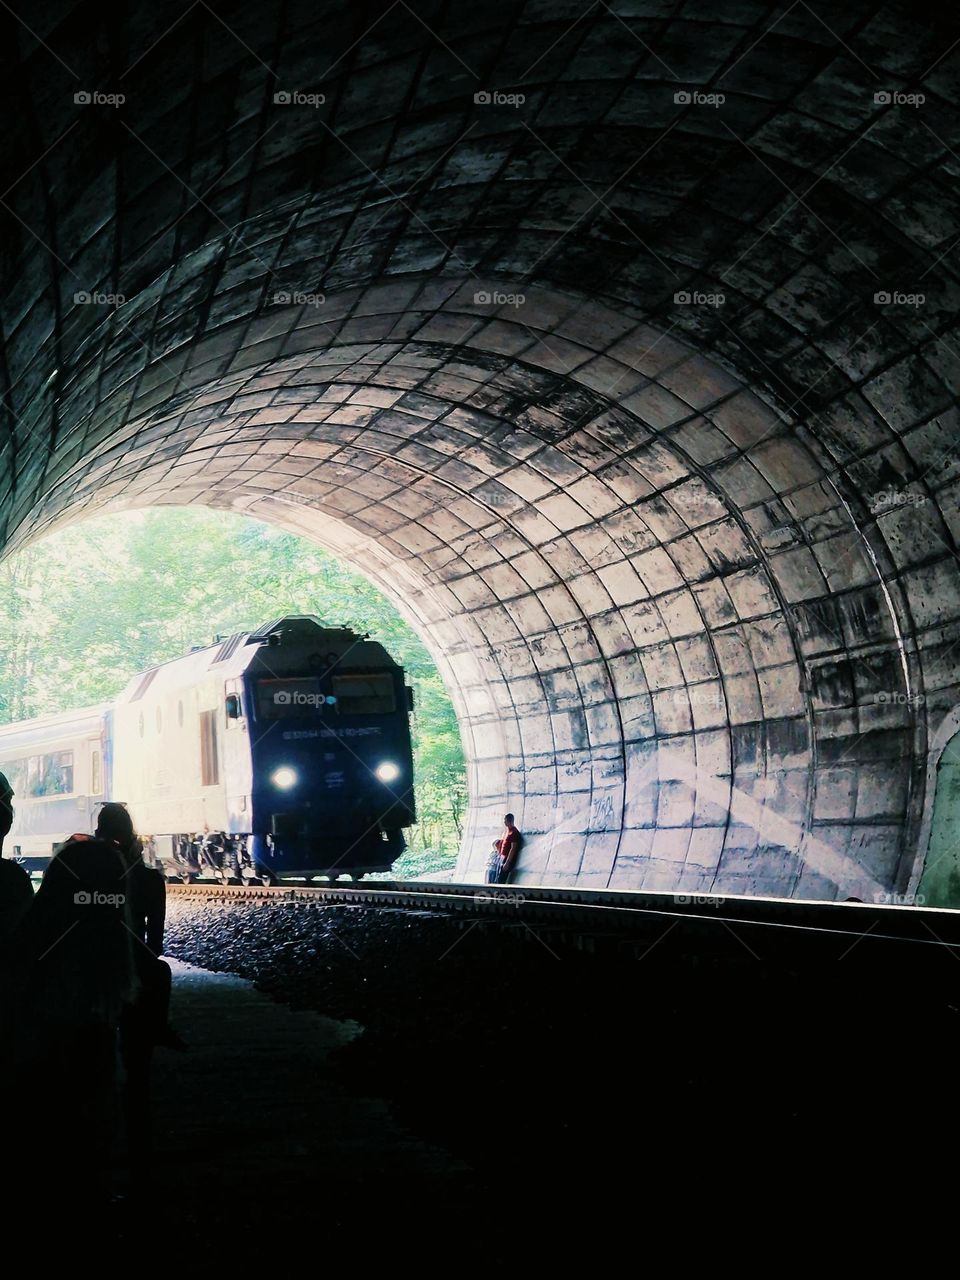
x,y
602,386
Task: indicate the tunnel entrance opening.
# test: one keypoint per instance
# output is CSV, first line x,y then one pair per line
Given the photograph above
x,y
101,623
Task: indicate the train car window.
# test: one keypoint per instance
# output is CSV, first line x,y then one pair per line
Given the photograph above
x,y
50,775
209,764
16,771
96,773
365,695
282,699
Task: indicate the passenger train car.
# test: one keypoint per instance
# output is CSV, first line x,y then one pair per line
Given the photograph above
x,y
59,767
283,752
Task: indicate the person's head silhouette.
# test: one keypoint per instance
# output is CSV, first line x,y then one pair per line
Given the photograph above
x,y
116,826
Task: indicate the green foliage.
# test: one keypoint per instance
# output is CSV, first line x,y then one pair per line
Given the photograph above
x,y
86,609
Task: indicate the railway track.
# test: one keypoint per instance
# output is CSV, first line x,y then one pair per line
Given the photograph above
x,y
618,913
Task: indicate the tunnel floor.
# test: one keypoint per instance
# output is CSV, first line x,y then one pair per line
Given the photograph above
x,y
417,1090
252,1132
513,1089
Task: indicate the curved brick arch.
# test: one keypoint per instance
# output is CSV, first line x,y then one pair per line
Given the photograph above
x,y
623,624
597,388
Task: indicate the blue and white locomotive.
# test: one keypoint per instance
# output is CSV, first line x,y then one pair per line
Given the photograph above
x,y
283,752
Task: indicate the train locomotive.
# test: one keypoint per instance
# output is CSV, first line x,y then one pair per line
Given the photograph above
x,y
279,753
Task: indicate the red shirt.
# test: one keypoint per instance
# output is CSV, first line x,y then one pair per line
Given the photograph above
x,y
509,843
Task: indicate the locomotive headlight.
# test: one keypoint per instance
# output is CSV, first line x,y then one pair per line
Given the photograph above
x,y
285,778
387,772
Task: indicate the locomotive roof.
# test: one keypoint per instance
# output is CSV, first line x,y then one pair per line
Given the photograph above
x,y
232,656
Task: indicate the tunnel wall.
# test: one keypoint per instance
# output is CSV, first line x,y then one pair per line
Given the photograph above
x,y
673,648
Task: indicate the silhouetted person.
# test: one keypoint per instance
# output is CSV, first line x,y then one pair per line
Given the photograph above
x,y
145,1022
147,890
505,851
16,894
74,974
16,891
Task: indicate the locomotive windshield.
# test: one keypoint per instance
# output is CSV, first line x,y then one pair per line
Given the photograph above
x,y
367,694
277,699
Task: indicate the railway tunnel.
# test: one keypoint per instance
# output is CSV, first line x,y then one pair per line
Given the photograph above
x,y
616,343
